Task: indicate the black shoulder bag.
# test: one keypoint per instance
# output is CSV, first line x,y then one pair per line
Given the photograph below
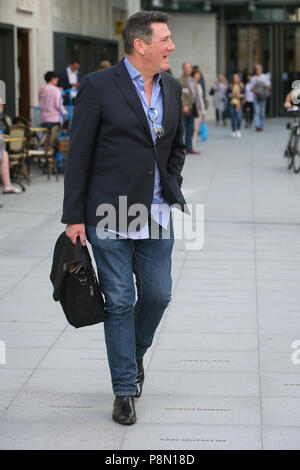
x,y
75,283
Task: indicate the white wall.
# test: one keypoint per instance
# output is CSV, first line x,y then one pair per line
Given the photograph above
x,y
195,37
48,16
38,22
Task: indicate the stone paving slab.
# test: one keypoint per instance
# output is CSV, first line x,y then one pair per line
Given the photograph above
x,y
283,384
198,324
69,381
193,437
18,338
12,380
66,433
203,383
201,360
211,410
212,309
24,358
207,341
281,437
272,411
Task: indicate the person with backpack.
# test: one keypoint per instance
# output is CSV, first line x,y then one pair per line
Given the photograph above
x,y
260,86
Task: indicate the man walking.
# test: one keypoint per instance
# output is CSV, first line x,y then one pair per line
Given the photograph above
x,y
190,100
126,140
69,79
260,86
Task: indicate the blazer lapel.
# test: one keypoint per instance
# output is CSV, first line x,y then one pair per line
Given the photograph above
x,y
127,88
167,107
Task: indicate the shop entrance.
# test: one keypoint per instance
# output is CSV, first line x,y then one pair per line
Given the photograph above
x,y
275,46
23,72
7,67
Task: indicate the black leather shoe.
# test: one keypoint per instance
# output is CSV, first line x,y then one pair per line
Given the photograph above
x,y
139,378
123,410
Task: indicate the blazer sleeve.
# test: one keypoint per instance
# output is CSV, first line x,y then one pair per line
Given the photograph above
x,y
84,131
177,156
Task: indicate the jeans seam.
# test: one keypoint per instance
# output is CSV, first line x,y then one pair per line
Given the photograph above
x,y
140,280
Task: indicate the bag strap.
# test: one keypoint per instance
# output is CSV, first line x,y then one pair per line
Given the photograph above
x,y
80,254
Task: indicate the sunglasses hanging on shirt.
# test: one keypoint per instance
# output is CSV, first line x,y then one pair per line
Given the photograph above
x,y
158,128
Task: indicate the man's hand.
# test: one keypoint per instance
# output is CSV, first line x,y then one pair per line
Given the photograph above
x,y
186,110
73,230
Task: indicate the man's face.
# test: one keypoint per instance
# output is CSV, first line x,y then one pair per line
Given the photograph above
x,y
157,53
258,69
187,69
75,67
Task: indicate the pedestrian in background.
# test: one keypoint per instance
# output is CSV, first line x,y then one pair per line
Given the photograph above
x,y
69,79
219,98
196,74
8,188
203,85
248,105
50,101
190,99
235,94
104,64
260,86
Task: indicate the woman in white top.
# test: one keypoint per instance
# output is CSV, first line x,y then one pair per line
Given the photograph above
x,y
261,86
196,74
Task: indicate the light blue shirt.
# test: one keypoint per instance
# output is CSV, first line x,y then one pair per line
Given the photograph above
x,y
160,209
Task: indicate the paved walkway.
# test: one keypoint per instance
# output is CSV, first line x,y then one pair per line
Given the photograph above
x,y
219,374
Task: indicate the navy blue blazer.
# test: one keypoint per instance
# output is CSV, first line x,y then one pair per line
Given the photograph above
x,y
111,150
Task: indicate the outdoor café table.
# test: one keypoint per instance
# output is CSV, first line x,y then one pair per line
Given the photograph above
x,y
13,139
38,129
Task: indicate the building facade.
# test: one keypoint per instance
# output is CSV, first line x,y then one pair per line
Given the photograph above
x,y
41,35
231,36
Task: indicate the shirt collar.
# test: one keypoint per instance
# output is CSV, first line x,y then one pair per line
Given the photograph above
x,y
134,73
70,71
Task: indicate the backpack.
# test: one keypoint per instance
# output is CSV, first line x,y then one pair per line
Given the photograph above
x,y
262,91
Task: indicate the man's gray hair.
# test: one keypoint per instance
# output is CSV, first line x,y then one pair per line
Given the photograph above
x,y
138,26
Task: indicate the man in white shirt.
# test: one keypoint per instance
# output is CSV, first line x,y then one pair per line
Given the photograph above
x,y
69,79
260,86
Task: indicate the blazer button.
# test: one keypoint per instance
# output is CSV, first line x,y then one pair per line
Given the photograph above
x,y
150,173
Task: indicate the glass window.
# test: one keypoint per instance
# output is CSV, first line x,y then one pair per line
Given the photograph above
x,y
237,13
243,48
293,13
232,50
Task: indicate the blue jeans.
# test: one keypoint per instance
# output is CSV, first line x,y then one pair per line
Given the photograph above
x,y
259,113
130,326
236,117
188,126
